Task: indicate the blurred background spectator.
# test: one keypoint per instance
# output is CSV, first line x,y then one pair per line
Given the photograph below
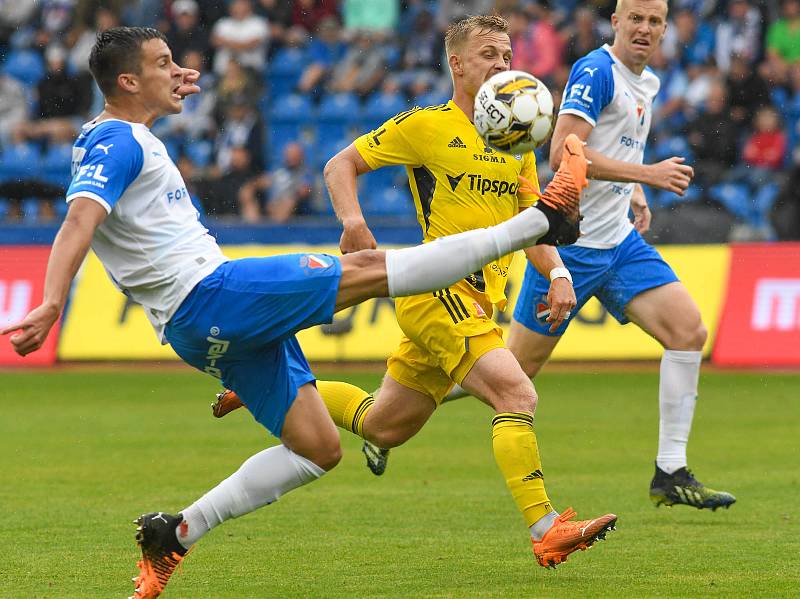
x,y
287,83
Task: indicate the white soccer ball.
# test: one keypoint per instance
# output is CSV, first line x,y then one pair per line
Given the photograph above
x,y
514,112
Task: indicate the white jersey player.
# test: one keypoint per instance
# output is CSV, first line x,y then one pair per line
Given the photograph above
x,y
608,103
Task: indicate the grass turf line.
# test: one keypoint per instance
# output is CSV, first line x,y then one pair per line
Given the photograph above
x,y
85,453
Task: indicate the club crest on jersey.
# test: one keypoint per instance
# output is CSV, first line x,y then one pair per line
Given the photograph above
x,y
312,261
640,114
479,312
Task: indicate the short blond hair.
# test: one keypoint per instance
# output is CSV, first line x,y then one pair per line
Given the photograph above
x,y
458,32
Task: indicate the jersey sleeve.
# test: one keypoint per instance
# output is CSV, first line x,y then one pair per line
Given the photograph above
x,y
528,172
109,163
398,141
590,88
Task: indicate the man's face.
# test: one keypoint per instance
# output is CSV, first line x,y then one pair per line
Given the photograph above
x,y
484,54
160,78
639,27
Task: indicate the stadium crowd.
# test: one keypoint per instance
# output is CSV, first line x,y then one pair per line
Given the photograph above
x,y
288,83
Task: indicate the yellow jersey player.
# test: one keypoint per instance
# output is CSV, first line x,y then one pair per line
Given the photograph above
x,y
458,185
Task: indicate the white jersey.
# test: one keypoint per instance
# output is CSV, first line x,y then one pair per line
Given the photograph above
x,y
618,104
152,244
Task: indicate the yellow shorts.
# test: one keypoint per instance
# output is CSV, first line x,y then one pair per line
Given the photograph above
x,y
445,334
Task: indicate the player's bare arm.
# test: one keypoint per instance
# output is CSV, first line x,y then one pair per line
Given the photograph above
x,y
340,175
561,295
69,249
670,174
641,211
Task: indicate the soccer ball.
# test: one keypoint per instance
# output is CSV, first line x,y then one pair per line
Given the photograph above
x,y
514,112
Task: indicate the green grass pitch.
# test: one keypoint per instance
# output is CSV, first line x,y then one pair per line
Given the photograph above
x,y
85,452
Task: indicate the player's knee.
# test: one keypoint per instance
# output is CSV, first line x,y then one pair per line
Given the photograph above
x,y
327,454
518,397
691,337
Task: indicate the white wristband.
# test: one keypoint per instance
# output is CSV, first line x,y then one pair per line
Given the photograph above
x,y
559,272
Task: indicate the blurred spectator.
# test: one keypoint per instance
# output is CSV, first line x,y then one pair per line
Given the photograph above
x,y
290,189
786,214
144,13
82,38
237,82
453,10
13,15
186,33
243,36
279,15
379,16
196,120
308,14
698,84
747,90
713,138
538,48
421,59
219,190
324,52
13,106
688,41
783,41
738,34
763,158
766,147
64,102
53,20
363,67
241,128
583,35
670,102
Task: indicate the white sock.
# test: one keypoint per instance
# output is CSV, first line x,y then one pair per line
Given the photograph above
x,y
542,525
262,479
677,396
457,392
442,262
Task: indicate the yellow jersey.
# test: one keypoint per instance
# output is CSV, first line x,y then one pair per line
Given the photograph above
x,y
458,183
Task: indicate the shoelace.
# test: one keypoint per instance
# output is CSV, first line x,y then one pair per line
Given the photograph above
x,y
567,514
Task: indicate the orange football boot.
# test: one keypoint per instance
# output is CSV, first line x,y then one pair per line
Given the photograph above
x,y
227,402
161,553
566,536
563,193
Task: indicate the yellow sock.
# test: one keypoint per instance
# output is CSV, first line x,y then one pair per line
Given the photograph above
x,y
347,404
517,454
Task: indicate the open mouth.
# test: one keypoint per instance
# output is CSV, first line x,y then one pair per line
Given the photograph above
x,y
641,43
175,94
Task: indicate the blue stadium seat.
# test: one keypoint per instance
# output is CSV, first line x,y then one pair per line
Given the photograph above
x,y
19,161
325,149
285,69
56,165
383,178
30,210
381,107
26,66
391,201
433,98
338,116
291,108
672,146
288,61
735,197
200,152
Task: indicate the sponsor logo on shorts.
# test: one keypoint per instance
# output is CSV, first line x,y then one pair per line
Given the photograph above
x,y
217,348
542,310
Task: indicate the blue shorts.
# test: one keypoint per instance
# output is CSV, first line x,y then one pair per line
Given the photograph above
x,y
615,276
238,324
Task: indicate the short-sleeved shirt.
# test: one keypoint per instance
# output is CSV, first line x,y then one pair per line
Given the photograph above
x,y
457,182
152,244
784,39
618,103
